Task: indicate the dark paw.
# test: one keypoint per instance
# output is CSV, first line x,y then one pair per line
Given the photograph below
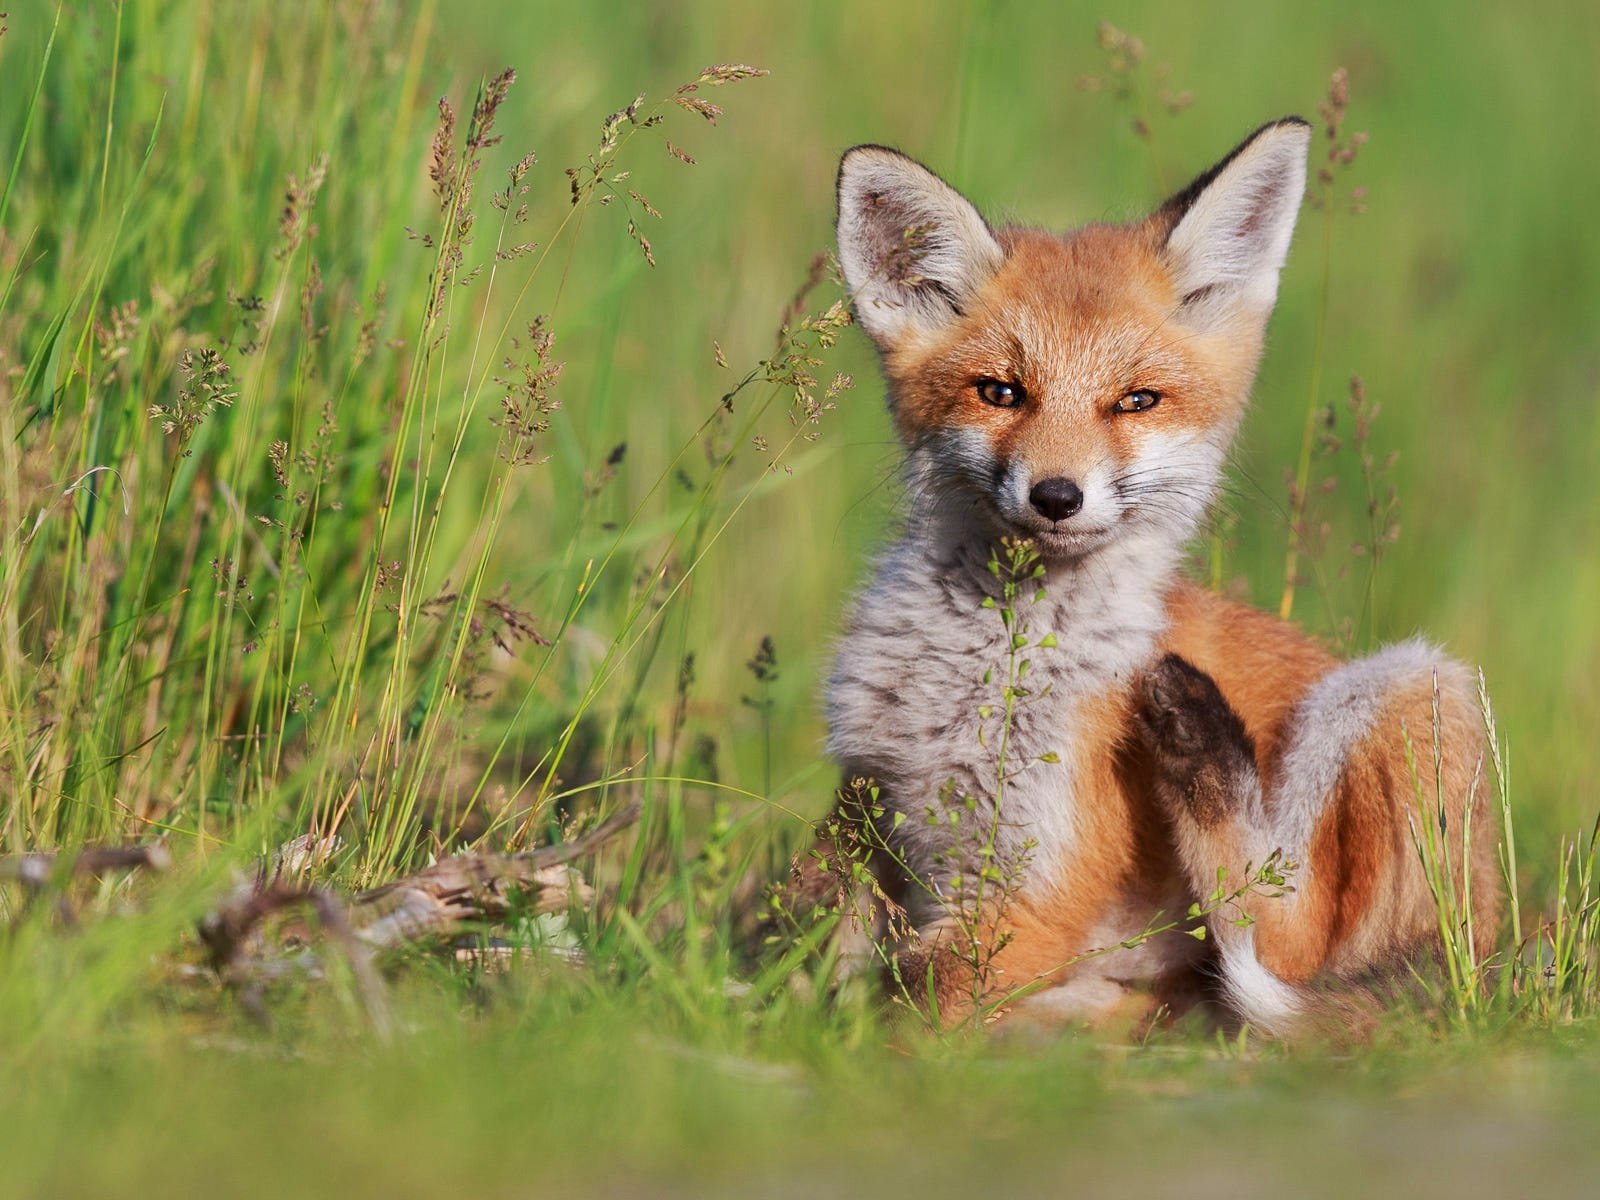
x,y
1183,714
1198,744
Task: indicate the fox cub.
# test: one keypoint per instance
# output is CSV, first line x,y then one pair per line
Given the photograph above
x,y
1080,391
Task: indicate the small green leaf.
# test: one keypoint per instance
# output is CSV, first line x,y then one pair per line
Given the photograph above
x,y
988,602
1049,756
1047,641
1198,933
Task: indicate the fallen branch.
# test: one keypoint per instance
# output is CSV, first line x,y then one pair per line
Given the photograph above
x,y
230,930
430,905
482,887
39,871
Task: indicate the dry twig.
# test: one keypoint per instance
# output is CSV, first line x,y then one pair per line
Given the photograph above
x,y
229,933
425,907
38,871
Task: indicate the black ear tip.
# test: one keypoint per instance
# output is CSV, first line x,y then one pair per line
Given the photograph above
x,y
1289,124
1177,205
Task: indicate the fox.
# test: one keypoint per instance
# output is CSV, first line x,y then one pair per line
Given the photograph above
x,y
1079,393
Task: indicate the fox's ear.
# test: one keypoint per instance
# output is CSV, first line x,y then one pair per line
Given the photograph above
x,y
1228,232
913,249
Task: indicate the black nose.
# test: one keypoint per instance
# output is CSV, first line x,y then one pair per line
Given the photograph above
x,y
1057,499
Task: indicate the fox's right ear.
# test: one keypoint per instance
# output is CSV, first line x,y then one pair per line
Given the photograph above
x,y
914,250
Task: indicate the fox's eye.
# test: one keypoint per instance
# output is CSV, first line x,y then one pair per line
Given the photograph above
x,y
1001,395
1140,401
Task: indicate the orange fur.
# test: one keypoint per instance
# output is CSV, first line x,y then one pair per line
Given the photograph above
x,y
1101,301
1367,899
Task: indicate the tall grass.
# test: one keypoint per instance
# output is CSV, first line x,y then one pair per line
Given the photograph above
x,y
256,479
1547,972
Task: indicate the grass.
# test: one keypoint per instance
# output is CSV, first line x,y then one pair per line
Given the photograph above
x,y
394,573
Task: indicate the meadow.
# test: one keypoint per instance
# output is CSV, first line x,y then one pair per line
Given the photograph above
x,y
432,473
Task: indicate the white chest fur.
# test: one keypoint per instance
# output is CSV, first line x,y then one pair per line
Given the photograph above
x,y
907,697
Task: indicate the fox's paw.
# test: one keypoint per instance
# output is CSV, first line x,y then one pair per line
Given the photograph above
x,y
1202,755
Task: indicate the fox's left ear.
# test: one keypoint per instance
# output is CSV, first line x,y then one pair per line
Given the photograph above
x,y
1228,232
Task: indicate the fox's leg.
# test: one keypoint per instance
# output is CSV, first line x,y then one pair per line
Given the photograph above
x,y
1337,801
956,965
1015,962
1036,965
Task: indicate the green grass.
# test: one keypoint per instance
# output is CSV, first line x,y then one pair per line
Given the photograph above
x,y
195,648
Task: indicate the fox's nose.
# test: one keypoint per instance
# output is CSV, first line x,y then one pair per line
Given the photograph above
x,y
1057,499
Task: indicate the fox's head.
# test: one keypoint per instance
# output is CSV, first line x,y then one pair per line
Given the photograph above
x,y
1072,388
